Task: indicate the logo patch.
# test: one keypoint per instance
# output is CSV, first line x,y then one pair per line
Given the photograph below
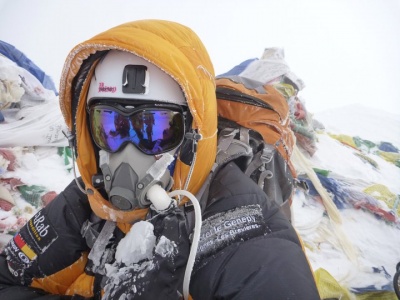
x,y
41,232
224,229
32,240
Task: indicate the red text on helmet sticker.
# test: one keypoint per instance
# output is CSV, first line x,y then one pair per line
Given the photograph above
x,y
105,89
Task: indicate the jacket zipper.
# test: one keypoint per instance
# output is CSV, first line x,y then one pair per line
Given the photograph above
x,y
235,96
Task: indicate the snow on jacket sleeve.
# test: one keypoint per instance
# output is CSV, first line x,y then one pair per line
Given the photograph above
x,y
248,249
48,254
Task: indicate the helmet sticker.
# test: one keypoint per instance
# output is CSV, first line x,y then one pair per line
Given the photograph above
x,y
105,89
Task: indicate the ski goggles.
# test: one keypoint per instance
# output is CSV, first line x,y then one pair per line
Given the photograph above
x,y
153,129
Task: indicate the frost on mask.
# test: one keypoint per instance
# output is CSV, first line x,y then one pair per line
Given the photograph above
x,y
136,262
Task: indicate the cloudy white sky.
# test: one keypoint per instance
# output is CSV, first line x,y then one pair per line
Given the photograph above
x,y
346,51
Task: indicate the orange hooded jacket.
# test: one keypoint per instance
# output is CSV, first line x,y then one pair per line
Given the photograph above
x,y
178,51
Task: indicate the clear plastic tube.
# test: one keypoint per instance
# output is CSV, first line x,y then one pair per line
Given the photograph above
x,y
195,241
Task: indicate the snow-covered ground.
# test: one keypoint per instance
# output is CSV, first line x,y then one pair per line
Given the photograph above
x,y
363,250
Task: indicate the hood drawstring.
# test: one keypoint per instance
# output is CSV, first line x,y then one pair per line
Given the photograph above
x,y
195,137
71,141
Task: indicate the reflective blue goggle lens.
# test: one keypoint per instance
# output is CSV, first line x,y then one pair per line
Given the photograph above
x,y
152,130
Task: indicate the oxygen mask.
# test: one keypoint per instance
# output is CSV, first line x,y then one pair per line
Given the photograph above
x,y
129,174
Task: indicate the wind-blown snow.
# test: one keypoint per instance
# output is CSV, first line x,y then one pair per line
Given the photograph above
x,y
341,160
376,242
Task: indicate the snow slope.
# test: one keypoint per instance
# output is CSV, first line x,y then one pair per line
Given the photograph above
x,y
361,252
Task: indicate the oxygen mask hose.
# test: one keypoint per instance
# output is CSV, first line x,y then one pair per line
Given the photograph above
x,y
196,238
159,198
162,201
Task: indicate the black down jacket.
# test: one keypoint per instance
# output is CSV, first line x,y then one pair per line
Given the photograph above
x,y
248,249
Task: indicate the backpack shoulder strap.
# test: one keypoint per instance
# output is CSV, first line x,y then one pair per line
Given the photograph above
x,y
230,148
259,162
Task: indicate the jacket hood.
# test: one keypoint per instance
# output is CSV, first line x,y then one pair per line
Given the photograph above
x,y
178,51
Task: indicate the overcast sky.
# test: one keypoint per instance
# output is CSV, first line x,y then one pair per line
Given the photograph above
x,y
346,51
